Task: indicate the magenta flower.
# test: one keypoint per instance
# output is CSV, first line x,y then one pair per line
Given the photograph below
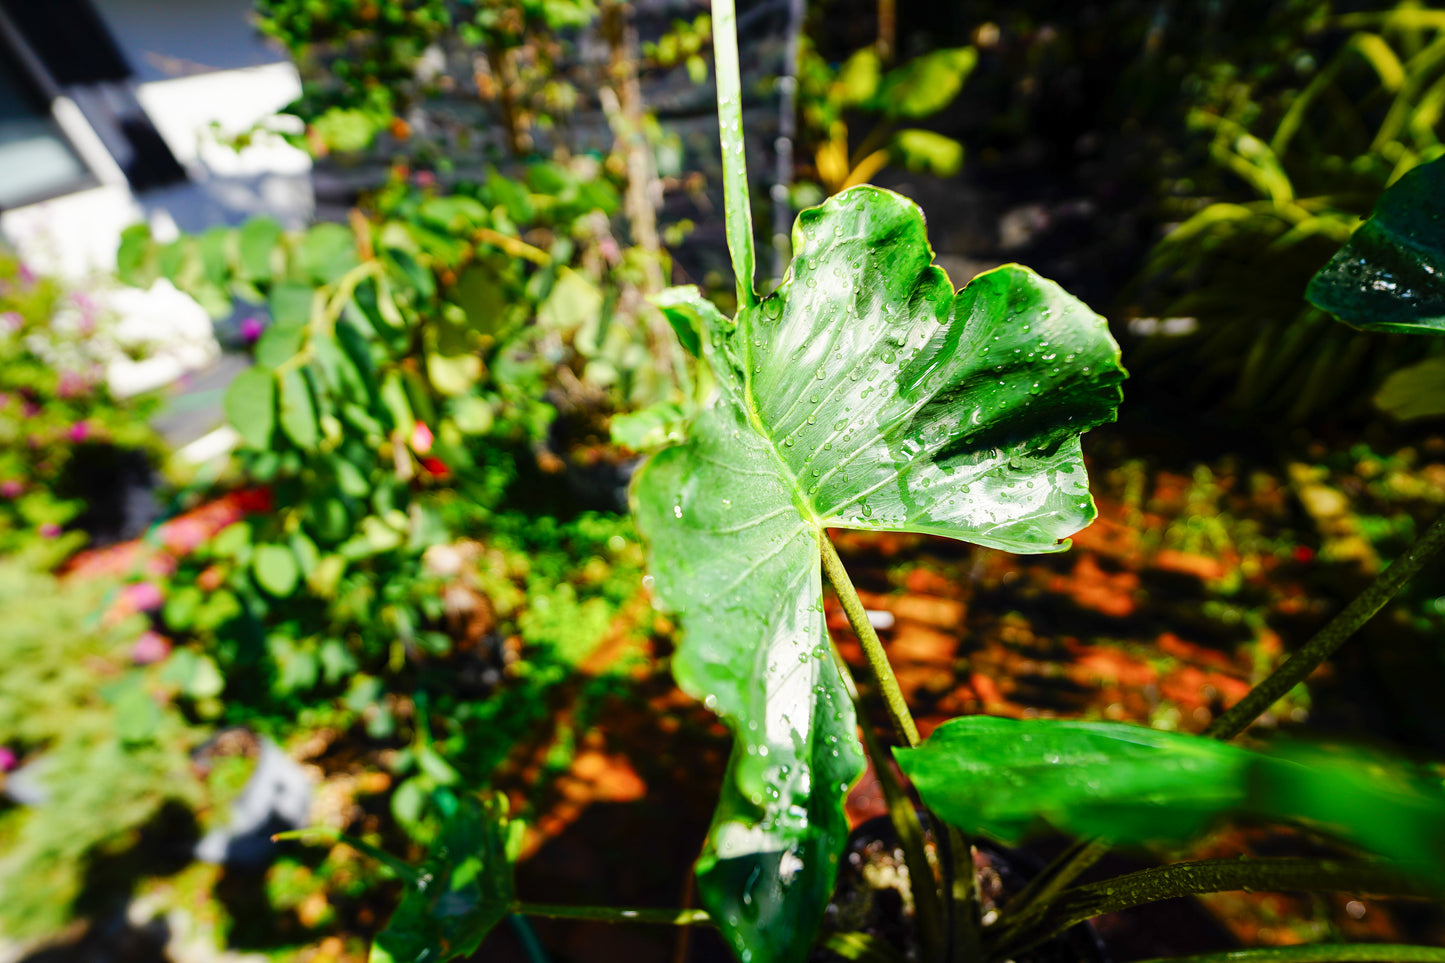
x,y
8,759
79,431
50,530
150,647
251,329
10,488
26,275
144,596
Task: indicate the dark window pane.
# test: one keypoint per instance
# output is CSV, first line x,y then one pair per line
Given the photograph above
x,y
35,158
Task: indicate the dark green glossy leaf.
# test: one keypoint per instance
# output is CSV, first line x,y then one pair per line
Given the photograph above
x,y
462,890
250,403
1390,275
863,393
1131,785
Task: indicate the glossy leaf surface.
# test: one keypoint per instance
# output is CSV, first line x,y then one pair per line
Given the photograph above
x,y
1002,777
1390,275
863,393
455,898
1132,785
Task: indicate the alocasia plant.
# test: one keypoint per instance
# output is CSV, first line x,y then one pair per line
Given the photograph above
x,y
862,393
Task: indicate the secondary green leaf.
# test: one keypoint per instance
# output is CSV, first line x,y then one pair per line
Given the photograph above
x,y
250,403
927,84
463,889
858,79
863,393
924,150
1414,392
1390,275
1001,777
654,426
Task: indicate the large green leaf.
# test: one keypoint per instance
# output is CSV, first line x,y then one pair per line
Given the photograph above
x,y
1390,275
462,890
1131,785
863,393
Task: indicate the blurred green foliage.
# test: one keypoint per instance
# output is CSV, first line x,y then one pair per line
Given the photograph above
x,y
97,741
1298,149
54,348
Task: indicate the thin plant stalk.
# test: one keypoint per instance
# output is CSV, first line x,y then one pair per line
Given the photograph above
x,y
1084,854
617,914
1349,621
957,864
928,914
739,214
898,713
1321,953
1205,876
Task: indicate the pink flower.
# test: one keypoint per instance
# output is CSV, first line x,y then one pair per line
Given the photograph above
x,y
11,321
8,759
150,647
26,275
50,530
11,488
71,385
144,596
79,431
251,329
421,439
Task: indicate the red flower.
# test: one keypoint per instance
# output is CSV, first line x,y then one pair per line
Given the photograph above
x,y
436,466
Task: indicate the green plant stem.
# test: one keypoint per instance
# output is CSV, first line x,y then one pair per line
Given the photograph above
x,y
734,157
954,848
927,909
898,712
615,914
1042,889
1203,876
1298,666
1321,953
965,924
